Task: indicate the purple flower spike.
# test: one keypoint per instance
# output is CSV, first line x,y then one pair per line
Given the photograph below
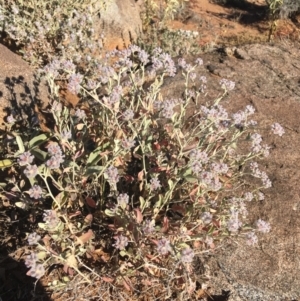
x,y
31,171
25,158
263,226
121,242
163,246
155,184
277,129
31,260
35,192
37,271
187,255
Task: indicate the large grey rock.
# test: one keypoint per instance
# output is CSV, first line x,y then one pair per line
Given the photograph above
x,y
19,91
120,22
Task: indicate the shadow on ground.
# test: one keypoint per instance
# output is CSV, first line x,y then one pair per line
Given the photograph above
x,y
14,284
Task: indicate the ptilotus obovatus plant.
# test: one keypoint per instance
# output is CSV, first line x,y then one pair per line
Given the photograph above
x,y
141,183
45,30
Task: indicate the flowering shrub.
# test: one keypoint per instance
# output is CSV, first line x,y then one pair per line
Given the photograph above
x,y
160,184
175,42
127,185
64,30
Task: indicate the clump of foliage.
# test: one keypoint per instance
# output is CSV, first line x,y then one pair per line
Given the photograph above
x,y
45,29
175,42
283,8
289,8
161,185
274,7
66,30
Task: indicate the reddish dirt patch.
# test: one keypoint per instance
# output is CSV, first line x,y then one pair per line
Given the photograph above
x,y
233,25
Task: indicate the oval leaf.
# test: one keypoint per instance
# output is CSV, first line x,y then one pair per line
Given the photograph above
x,y
20,144
85,237
20,205
6,163
90,202
138,215
72,261
36,141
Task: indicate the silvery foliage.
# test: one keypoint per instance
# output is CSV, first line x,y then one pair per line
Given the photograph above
x,y
288,8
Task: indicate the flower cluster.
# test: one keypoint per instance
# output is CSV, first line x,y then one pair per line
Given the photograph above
x,y
155,184
251,238
206,217
112,175
233,223
227,84
238,206
113,100
187,255
163,61
121,242
248,196
25,159
33,238
183,64
216,114
51,219
240,119
10,119
56,154
52,69
128,115
35,192
257,147
277,129
74,83
123,199
31,171
263,226
128,144
164,246
167,106
208,174
80,114
200,156
66,134
148,227
256,172
37,270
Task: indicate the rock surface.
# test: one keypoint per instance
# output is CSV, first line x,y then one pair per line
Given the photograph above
x,y
268,78
19,91
120,23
